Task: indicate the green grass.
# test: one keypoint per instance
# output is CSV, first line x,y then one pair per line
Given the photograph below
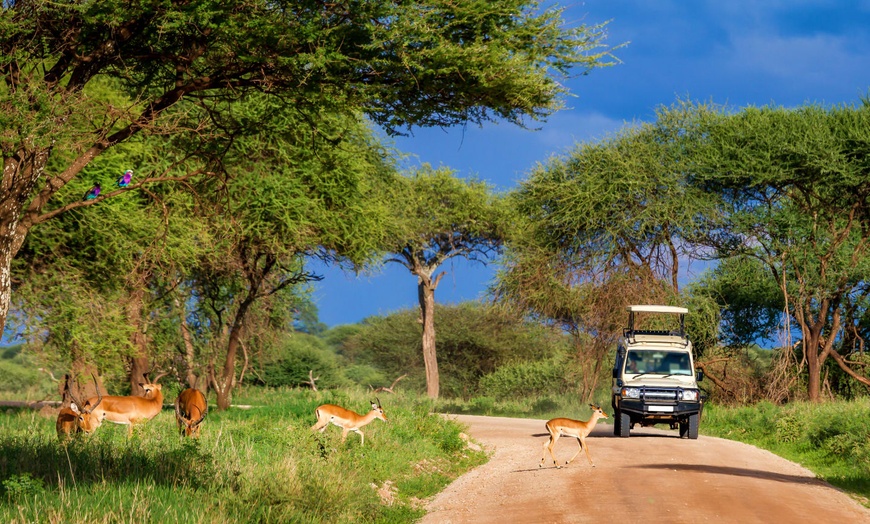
x,y
831,439
262,464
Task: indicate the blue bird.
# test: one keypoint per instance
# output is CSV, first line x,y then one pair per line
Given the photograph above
x,y
124,180
93,192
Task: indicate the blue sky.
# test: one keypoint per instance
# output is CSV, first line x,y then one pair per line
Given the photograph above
x,y
735,52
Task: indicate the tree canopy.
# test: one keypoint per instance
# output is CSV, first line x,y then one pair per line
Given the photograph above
x,y
180,66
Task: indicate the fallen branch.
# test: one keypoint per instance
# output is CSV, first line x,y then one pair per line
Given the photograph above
x,y
713,378
311,380
389,389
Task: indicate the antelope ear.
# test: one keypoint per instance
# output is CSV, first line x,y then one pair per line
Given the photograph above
x,y
74,407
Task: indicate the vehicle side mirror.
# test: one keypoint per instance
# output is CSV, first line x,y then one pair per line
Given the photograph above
x,y
699,376
615,373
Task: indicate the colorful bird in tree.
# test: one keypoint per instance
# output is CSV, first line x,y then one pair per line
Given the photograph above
x,y
93,192
124,180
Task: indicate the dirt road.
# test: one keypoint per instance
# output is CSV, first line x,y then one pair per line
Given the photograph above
x,y
651,477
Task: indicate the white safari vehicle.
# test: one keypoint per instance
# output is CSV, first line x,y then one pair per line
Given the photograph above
x,y
654,378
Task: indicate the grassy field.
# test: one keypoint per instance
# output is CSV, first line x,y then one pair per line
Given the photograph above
x,y
261,464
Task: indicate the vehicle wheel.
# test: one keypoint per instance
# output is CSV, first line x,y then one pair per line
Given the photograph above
x,y
684,428
616,423
693,426
624,424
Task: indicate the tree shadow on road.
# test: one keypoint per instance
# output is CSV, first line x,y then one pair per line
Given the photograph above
x,y
738,472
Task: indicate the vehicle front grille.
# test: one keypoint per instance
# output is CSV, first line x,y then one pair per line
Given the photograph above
x,y
661,395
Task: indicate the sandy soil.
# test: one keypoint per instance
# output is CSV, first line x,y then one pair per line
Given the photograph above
x,y
651,477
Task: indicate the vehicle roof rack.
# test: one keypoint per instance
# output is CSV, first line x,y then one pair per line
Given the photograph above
x,y
629,333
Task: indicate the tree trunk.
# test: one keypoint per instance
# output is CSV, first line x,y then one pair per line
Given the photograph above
x,y
223,385
6,257
811,340
140,364
426,295
189,352
814,375
21,172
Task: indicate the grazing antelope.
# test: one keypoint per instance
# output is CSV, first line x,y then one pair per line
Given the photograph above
x,y
345,419
566,427
67,419
127,410
191,408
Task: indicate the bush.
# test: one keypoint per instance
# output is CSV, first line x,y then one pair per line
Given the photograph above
x,y
365,375
290,364
17,378
473,340
524,379
843,385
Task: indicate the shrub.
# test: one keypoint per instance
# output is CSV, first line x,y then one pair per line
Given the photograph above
x,y
290,364
14,377
524,379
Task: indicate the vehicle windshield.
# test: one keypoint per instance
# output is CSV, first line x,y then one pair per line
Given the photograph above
x,y
658,362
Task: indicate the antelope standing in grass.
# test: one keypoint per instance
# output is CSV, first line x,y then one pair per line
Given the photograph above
x,y
345,419
191,408
128,410
566,427
67,418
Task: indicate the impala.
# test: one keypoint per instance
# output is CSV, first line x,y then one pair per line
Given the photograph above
x,y
67,418
345,419
191,408
127,410
566,427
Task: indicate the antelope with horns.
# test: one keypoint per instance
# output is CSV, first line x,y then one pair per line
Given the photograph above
x,y
128,410
67,424
191,408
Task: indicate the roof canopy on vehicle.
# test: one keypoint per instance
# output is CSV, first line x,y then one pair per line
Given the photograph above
x,y
652,308
647,308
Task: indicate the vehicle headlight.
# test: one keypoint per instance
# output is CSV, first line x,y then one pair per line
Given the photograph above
x,y
690,394
630,393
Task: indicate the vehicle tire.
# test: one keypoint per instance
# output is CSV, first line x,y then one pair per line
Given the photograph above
x,y
684,428
624,424
615,419
694,420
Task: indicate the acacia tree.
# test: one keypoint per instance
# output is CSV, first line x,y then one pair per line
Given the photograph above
x,y
294,192
607,226
438,217
85,280
402,64
794,193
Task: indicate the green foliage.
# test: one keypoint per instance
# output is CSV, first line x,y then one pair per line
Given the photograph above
x,y
290,363
473,340
830,438
17,380
10,352
541,407
750,302
263,112
526,379
365,375
20,486
842,384
790,185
